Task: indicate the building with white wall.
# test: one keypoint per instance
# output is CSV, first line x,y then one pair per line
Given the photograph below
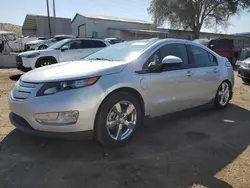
x,y
104,26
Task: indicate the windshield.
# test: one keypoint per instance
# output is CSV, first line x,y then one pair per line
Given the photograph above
x,y
58,44
126,51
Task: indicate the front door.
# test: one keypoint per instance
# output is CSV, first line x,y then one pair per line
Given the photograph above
x,y
172,89
70,51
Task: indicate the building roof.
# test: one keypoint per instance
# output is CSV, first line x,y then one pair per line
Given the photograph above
x,y
100,17
145,31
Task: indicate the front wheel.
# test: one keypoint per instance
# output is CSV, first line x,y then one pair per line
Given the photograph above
x,y
117,119
223,95
45,62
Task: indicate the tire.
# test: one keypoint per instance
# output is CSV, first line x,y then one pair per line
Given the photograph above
x,y
108,108
45,62
42,47
222,103
246,80
24,69
233,61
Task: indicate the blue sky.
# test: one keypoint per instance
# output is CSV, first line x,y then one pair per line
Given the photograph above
x,y
14,11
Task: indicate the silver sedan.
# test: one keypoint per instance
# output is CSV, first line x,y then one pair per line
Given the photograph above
x,y
108,93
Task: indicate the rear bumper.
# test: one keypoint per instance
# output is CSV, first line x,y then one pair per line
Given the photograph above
x,y
244,73
22,125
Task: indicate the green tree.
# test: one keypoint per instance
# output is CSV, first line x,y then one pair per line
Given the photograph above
x,y
195,14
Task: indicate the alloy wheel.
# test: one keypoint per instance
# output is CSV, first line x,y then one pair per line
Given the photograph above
x,y
121,120
224,94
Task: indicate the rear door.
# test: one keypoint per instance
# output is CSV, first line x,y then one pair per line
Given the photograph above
x,y
207,74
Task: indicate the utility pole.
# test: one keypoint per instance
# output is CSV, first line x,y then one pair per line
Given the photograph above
x,y
48,17
54,8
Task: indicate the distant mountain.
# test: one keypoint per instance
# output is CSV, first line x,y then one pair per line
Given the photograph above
x,y
11,27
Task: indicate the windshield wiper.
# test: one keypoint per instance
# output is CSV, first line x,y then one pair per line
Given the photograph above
x,y
98,58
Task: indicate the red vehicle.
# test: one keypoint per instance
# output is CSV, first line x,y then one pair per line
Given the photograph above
x,y
223,47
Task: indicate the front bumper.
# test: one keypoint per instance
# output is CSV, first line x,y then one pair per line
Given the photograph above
x,y
244,73
19,64
22,125
84,100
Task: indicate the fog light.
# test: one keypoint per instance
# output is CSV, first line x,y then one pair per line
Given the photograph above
x,y
57,118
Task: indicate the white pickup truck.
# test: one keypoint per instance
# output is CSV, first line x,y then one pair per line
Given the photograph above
x,y
12,42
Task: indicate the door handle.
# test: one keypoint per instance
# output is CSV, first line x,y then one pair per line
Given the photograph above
x,y
189,74
215,70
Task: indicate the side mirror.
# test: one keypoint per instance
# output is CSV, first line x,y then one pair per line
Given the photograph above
x,y
64,48
171,61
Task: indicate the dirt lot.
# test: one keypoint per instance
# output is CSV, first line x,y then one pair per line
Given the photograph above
x,y
201,148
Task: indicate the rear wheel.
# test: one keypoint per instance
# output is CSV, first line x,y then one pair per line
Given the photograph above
x,y
42,47
223,95
117,119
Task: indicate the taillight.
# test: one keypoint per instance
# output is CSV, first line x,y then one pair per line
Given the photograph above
x,y
228,64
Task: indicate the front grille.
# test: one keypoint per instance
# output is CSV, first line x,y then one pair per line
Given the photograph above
x,y
18,59
23,89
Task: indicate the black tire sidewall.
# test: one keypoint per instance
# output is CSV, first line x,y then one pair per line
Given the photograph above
x,y
41,47
246,80
101,132
41,61
216,102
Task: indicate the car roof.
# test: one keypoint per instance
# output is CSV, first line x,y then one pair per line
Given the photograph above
x,y
82,38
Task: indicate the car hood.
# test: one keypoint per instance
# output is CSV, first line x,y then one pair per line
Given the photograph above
x,y
74,70
35,51
34,42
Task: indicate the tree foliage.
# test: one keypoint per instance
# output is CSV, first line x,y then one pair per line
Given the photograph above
x,y
193,14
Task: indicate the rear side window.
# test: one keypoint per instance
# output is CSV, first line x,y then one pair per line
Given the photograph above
x,y
178,50
199,56
93,44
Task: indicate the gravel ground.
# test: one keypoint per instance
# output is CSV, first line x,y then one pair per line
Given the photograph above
x,y
198,148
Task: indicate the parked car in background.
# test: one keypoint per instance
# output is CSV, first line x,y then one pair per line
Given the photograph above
x,y
42,43
65,50
223,47
109,92
12,42
244,70
114,40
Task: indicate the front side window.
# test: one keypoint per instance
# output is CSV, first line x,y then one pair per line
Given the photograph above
x,y
73,45
178,50
200,57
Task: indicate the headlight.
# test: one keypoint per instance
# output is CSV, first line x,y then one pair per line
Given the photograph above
x,y
32,55
244,64
52,88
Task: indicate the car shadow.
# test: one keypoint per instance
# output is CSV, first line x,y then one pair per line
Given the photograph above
x,y
177,150
15,77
